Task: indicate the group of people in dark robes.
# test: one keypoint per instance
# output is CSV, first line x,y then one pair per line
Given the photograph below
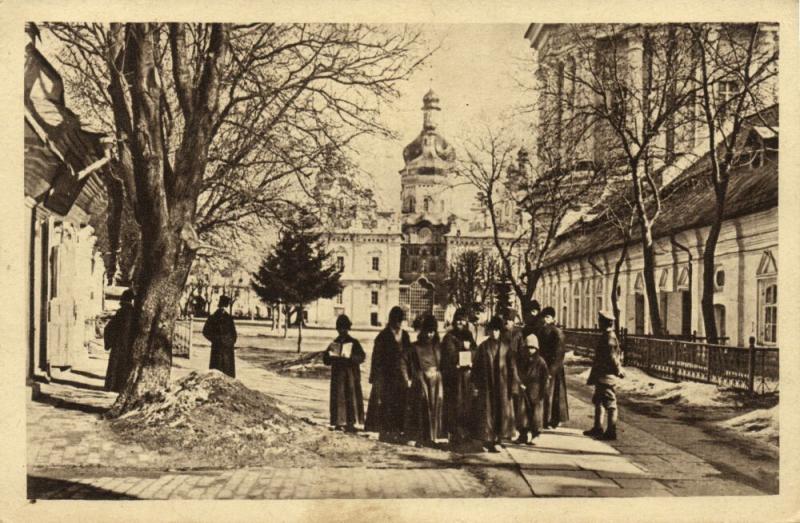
x,y
428,390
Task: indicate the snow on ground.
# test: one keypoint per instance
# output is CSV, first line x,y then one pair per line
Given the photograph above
x,y
763,424
682,393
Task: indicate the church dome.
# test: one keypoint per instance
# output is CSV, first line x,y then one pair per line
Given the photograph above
x,y
429,143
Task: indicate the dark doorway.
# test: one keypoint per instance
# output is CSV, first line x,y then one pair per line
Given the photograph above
x,y
639,319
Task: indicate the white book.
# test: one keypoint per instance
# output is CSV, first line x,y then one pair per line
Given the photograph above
x,y
347,349
464,358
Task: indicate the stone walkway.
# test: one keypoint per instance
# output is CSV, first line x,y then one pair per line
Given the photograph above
x,y
72,454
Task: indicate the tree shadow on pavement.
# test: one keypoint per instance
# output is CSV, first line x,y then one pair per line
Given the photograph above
x,y
88,374
77,384
61,403
51,488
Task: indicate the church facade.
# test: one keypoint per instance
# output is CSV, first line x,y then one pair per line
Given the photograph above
x,y
403,258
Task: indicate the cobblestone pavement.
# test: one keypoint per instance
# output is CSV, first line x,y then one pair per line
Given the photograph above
x,y
73,454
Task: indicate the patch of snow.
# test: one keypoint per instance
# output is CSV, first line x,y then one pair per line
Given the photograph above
x,y
684,393
763,424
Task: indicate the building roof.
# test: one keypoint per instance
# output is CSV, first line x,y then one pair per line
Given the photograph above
x,y
688,202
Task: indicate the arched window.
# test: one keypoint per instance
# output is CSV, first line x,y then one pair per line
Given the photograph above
x,y
598,296
427,204
719,319
410,204
587,305
576,304
767,300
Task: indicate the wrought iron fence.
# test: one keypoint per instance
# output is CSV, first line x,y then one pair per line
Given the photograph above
x,y
752,368
182,337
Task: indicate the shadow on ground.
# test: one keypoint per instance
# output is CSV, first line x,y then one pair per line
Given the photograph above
x,y
50,488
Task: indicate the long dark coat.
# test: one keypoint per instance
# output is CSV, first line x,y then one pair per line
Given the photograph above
x,y
221,332
534,375
116,338
516,344
424,421
346,398
551,343
494,375
389,378
458,387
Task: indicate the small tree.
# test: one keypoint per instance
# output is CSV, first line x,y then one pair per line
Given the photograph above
x,y
298,270
470,281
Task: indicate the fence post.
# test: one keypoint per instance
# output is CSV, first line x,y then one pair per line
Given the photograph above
x,y
675,361
751,365
709,350
189,343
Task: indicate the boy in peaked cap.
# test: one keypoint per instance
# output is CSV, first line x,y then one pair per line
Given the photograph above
x,y
606,369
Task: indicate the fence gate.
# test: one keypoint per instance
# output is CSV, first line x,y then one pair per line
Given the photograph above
x,y
182,338
420,298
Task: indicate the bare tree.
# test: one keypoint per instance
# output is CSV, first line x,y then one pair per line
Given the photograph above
x,y
211,123
633,82
737,67
527,201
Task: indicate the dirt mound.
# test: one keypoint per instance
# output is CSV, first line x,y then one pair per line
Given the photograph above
x,y
308,365
211,420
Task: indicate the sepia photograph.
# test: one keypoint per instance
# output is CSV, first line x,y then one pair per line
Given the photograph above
x,y
357,260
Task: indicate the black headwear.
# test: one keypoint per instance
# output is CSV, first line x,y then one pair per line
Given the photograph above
x,y
224,301
343,322
127,296
495,324
397,314
535,306
460,314
549,311
429,323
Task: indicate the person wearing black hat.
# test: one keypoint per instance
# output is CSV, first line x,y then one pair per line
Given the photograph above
x,y
493,376
117,339
345,355
606,369
551,345
533,321
424,412
458,352
389,379
220,330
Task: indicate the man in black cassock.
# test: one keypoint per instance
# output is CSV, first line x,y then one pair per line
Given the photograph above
x,y
390,379
458,352
551,343
116,338
346,398
221,332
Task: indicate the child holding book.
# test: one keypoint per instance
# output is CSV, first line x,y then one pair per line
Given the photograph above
x,y
345,355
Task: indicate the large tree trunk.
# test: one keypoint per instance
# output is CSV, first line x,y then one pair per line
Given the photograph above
x,y
615,283
299,328
648,251
526,298
707,300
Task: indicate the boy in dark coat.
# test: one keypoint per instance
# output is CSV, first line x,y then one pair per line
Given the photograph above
x,y
458,352
551,346
116,338
533,374
221,332
424,419
606,368
389,378
494,377
345,355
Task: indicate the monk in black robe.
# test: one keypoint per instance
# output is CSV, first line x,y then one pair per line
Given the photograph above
x,y
221,332
551,343
494,377
458,353
389,379
345,355
116,338
425,409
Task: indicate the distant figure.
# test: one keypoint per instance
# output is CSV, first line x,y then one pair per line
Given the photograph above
x,y
424,412
534,322
533,375
551,346
345,355
221,332
458,353
606,368
117,338
390,379
493,375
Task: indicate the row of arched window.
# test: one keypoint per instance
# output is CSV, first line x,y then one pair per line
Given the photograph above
x,y
428,204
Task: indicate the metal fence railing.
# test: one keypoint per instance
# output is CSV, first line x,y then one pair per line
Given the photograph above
x,y
755,369
182,338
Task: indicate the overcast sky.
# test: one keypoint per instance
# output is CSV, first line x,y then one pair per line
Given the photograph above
x,y
474,75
